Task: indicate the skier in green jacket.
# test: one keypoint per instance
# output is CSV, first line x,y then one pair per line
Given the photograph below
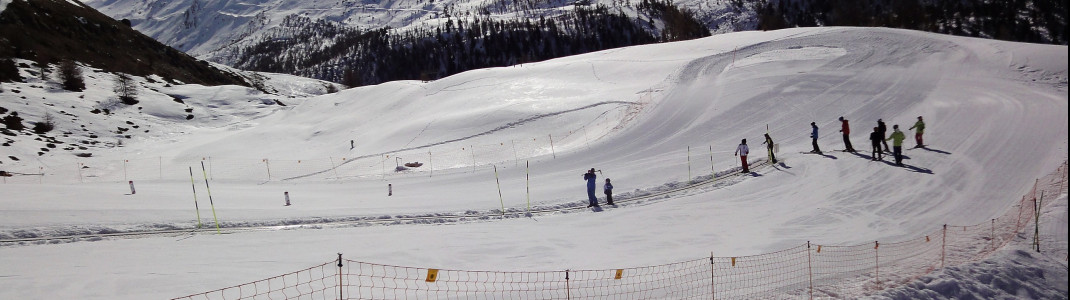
x,y
920,125
897,144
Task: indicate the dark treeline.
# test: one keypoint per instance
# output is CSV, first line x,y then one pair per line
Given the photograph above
x,y
1034,21
357,57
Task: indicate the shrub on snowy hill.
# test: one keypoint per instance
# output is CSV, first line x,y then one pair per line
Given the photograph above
x,y
45,125
8,71
13,121
126,89
71,76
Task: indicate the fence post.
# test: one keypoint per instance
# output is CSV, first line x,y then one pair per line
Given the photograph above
x,y
80,173
552,146
516,159
568,288
588,142
993,234
340,276
809,270
877,259
1036,221
429,165
473,150
943,247
713,289
333,167
124,169
267,165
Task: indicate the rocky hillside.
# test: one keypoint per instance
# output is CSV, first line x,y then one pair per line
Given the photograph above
x,y
50,31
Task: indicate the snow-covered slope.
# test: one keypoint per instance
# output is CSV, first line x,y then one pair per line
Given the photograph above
x,y
996,120
94,122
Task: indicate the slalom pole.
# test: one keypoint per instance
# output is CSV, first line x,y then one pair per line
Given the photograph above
x,y
713,170
195,205
552,145
210,202
689,164
500,198
527,182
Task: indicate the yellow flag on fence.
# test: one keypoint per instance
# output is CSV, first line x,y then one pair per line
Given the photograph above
x,y
432,275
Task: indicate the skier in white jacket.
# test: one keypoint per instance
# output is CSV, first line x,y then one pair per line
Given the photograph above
x,y
742,152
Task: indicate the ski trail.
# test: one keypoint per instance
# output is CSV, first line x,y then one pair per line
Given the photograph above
x,y
499,128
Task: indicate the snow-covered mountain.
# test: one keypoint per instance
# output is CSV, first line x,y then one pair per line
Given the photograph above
x,y
360,43
217,30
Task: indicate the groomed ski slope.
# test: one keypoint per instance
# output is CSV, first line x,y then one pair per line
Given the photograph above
x,y
995,112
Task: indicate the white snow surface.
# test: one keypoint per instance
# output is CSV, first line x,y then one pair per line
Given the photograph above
x,y
995,112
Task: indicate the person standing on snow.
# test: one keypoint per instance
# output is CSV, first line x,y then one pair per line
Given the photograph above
x,y
846,129
897,144
813,135
608,190
875,139
742,150
590,177
769,145
883,129
920,125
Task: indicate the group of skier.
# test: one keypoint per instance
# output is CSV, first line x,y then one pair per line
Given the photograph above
x,y
878,139
607,188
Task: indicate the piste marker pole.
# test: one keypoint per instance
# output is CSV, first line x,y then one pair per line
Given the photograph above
x,y
210,202
195,205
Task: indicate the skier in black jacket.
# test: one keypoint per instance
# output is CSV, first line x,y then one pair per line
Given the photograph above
x,y
883,130
875,139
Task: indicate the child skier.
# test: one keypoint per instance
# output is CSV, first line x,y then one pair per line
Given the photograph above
x,y
608,189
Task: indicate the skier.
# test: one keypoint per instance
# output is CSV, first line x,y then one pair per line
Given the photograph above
x,y
608,189
875,139
769,145
920,125
590,177
813,135
897,144
883,129
742,150
846,129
